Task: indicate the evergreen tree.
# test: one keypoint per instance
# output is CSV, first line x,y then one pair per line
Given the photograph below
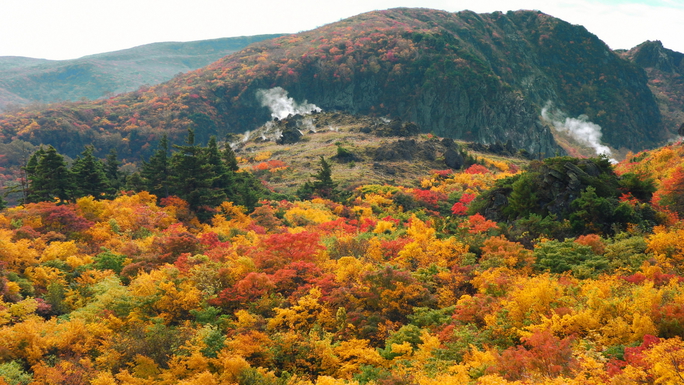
x,y
247,190
50,178
221,178
223,175
323,185
111,169
229,158
135,182
90,177
155,175
203,176
192,177
32,164
30,170
241,188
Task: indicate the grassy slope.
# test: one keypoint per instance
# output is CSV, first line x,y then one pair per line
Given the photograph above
x,y
333,129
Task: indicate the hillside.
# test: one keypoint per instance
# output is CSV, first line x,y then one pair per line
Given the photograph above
x,y
401,283
665,70
482,78
362,150
96,76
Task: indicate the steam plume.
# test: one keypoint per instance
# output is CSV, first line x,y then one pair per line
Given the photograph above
x,y
281,105
580,129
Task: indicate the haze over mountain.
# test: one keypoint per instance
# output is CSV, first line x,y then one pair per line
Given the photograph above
x,y
477,77
25,80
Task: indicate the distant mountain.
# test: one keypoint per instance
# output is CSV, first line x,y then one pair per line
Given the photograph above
x,y
476,77
95,76
10,99
665,70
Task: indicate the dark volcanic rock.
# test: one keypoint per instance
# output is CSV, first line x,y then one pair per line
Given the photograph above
x,y
408,149
399,150
290,135
453,159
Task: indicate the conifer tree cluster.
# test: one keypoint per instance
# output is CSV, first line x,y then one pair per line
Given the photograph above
x,y
203,176
51,178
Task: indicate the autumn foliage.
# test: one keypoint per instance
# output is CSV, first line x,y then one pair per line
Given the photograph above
x,y
392,286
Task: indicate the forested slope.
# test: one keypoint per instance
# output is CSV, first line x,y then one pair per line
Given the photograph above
x,y
391,284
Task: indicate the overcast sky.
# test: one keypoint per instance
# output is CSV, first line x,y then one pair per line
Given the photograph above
x,y
68,29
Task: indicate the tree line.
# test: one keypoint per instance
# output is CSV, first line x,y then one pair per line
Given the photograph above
x,y
203,176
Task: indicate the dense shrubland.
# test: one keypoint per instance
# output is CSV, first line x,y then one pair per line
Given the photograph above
x,y
387,285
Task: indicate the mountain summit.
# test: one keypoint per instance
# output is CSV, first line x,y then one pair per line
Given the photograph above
x,y
665,70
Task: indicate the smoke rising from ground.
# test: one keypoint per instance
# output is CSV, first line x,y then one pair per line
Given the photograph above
x,y
281,105
580,129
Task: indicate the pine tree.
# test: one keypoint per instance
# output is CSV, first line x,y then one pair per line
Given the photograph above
x,y
241,188
135,182
90,178
247,190
323,186
111,169
223,175
32,164
229,158
30,170
156,173
50,178
24,181
192,176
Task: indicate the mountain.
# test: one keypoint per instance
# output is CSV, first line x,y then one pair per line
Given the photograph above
x,y
665,70
476,77
95,76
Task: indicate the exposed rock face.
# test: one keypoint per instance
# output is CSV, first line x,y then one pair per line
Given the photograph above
x,y
289,136
665,70
453,159
652,54
478,77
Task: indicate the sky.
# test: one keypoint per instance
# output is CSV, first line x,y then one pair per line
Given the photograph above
x,y
69,29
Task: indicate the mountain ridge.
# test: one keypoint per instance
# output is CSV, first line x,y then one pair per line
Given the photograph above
x,y
98,75
468,76
665,70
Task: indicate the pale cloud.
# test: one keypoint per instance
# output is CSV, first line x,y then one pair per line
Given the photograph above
x,y
73,28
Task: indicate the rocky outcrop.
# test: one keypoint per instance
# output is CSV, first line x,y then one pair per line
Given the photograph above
x,y
665,71
652,54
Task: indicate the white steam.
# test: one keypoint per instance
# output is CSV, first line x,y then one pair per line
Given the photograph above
x,y
246,136
308,123
580,129
281,105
